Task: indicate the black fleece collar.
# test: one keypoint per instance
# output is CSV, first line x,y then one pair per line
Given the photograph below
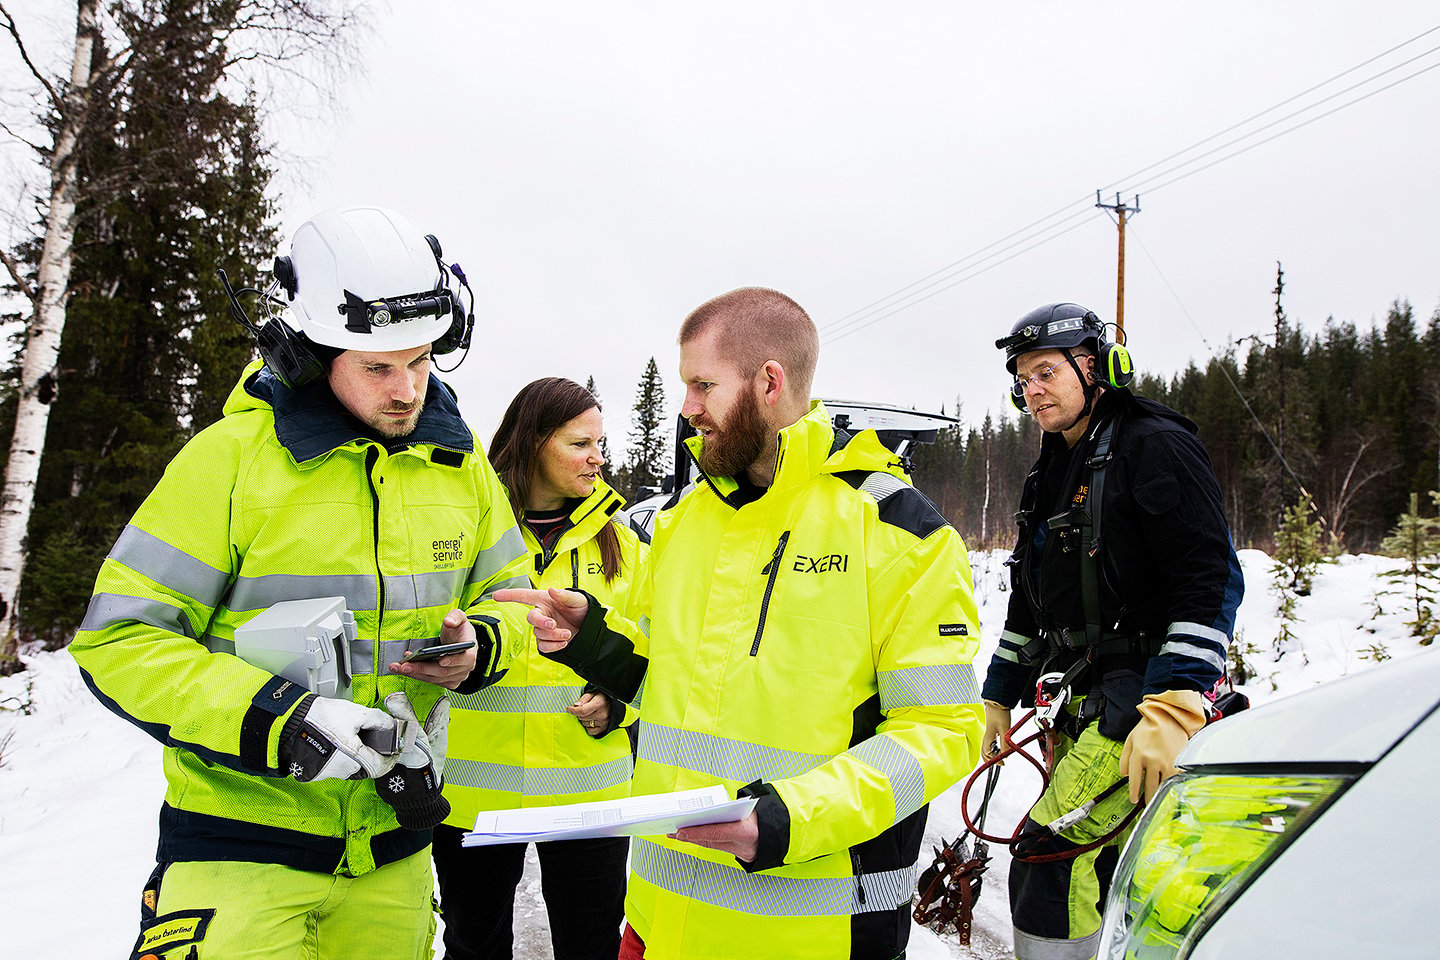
x,y
311,422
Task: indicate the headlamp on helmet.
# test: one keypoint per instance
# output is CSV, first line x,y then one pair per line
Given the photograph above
x,y
1065,326
357,278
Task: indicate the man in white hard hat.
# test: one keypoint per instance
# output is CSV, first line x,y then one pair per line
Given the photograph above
x,y
298,824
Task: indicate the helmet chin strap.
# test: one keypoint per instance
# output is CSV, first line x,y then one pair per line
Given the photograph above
x,y
1087,384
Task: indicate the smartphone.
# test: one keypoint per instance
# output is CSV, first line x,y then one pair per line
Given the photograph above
x,y
436,652
385,741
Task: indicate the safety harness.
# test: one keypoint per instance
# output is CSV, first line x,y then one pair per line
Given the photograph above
x,y
1074,652
948,889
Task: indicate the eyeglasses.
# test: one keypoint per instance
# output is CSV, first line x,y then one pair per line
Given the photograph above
x,y
1044,377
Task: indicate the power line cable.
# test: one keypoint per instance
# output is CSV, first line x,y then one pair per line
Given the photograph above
x,y
1144,184
1304,123
1231,380
961,270
1083,201
1270,109
859,321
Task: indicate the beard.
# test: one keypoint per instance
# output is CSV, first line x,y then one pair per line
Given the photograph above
x,y
390,429
736,443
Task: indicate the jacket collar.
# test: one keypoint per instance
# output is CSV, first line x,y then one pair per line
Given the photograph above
x,y
811,446
311,423
1119,405
583,523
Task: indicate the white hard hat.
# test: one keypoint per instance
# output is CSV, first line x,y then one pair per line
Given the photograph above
x,y
363,278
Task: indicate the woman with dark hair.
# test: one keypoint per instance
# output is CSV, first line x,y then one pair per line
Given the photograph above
x,y
538,736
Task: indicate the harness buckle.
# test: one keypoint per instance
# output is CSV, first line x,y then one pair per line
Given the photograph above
x,y
1051,695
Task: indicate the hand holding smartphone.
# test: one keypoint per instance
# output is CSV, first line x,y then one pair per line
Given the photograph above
x,y
430,654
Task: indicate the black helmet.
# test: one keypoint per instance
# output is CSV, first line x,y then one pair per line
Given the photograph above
x,y
1055,326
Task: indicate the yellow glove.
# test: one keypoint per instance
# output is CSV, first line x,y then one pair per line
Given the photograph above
x,y
997,721
1167,721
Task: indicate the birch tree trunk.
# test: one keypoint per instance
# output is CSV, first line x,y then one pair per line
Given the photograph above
x,y
38,377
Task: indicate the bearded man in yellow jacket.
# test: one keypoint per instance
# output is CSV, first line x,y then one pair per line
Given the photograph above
x,y
811,623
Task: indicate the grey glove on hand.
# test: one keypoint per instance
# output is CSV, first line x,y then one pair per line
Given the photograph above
x,y
327,739
413,786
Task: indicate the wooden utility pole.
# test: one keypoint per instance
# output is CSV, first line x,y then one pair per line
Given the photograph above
x,y
1121,211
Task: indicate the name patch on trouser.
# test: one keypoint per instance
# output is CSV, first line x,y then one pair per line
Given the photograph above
x,y
171,931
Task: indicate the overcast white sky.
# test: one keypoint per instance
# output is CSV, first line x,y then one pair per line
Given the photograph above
x,y
599,169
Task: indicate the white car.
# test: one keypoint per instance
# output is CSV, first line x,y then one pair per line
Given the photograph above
x,y
1300,828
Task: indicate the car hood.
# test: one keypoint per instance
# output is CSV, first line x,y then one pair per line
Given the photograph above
x,y
1354,719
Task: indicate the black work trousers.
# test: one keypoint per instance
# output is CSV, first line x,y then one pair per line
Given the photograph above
x,y
582,881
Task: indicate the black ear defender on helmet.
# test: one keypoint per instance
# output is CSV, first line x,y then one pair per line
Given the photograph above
x,y
462,319
1063,326
287,352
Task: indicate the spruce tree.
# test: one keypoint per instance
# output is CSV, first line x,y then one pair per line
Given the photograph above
x,y
1416,541
150,351
1298,555
604,441
138,69
647,440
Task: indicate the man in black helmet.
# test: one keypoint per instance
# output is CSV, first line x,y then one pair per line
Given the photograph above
x,y
1125,591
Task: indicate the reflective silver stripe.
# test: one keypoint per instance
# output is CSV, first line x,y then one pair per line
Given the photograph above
x,y
880,484
722,758
1197,630
218,645
256,593
906,776
644,624
390,652
1030,947
362,656
1203,654
1010,645
503,699
521,582
418,591
928,686
172,568
537,781
498,556
106,609
766,894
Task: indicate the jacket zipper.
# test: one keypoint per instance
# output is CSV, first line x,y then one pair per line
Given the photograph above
x,y
769,588
575,568
372,456
859,882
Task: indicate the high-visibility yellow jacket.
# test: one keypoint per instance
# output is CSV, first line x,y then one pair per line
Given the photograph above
x,y
811,648
283,499
512,744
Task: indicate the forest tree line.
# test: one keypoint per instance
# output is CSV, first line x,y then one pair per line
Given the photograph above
x,y
1349,416
173,178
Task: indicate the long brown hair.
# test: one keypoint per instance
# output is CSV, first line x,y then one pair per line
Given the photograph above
x,y
538,410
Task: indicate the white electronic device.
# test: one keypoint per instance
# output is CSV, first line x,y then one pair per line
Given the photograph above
x,y
305,641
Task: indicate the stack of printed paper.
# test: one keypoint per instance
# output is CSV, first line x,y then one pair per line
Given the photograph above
x,y
658,813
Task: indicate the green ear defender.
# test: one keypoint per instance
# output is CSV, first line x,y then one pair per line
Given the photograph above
x,y
1115,360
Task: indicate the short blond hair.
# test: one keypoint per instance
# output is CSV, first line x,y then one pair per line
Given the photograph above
x,y
756,324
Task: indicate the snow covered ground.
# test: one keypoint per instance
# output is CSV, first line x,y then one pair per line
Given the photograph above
x,y
80,789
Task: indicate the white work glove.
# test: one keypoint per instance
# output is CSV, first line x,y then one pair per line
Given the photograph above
x,y
413,786
327,739
1167,722
997,723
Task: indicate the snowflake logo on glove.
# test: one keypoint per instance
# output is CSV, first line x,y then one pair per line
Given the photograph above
x,y
297,771
396,784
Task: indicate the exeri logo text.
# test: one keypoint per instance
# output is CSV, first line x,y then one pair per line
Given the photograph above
x,y
822,564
